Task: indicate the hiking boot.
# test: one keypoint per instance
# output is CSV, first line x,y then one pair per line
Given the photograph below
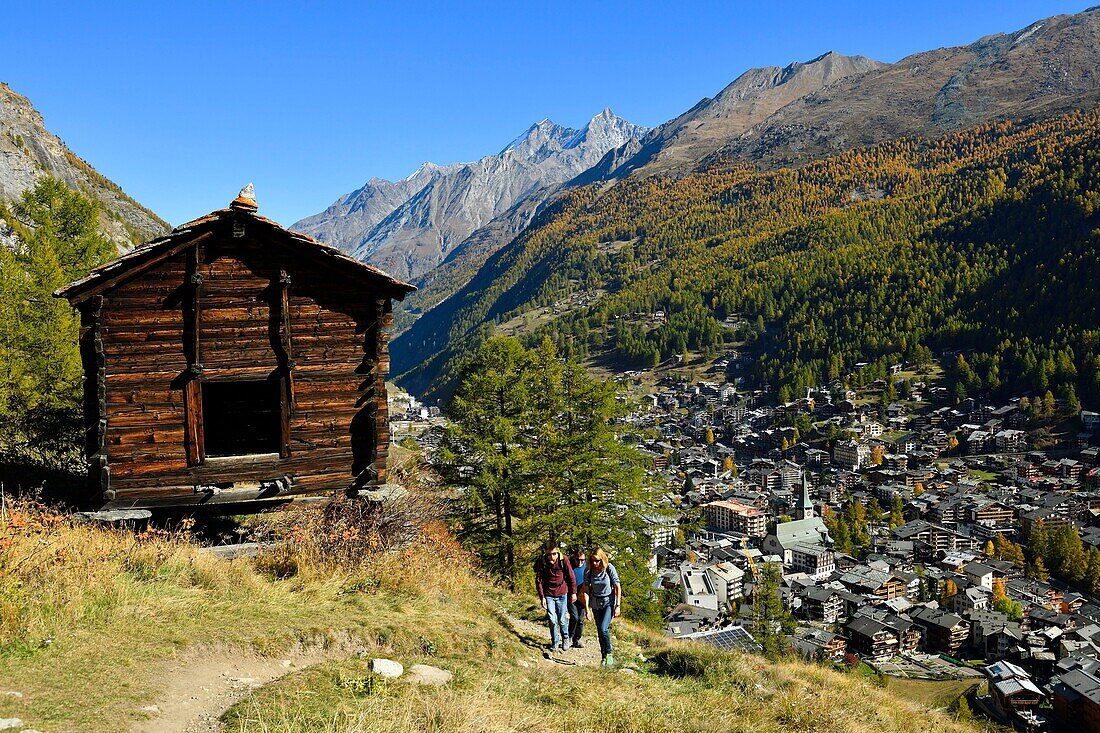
x,y
578,644
609,660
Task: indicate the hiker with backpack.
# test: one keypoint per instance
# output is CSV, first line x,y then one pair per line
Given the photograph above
x,y
557,588
602,597
576,610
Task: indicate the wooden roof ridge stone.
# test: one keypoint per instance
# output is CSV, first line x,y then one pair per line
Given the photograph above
x,y
192,232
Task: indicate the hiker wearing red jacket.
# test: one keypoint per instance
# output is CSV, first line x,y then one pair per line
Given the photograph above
x,y
557,588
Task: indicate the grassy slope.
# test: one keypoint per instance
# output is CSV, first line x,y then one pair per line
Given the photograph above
x,y
937,693
117,607
678,688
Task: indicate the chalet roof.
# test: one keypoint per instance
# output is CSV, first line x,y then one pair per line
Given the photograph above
x,y
1001,566
1046,615
819,636
820,593
726,571
898,624
865,626
898,605
935,617
863,576
186,235
1078,683
1015,686
911,529
976,593
977,569
1005,670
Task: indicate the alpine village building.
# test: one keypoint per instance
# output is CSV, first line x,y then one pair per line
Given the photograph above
x,y
233,360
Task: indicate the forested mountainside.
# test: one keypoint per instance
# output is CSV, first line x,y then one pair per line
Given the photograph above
x,y
28,151
439,283
983,241
776,117
678,144
442,206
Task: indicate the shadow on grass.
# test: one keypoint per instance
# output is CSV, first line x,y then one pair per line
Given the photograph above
x,y
51,484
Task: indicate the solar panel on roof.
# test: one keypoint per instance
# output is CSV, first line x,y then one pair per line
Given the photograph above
x,y
733,638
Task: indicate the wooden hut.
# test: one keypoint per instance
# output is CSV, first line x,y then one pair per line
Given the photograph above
x,y
233,360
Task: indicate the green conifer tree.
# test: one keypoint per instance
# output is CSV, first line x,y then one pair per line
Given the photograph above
x,y
485,454
40,370
897,512
772,620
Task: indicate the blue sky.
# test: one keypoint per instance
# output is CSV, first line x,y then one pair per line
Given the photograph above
x,y
181,103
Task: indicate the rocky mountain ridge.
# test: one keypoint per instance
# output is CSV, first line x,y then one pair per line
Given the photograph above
x,y
1048,68
357,212
28,151
438,207
683,142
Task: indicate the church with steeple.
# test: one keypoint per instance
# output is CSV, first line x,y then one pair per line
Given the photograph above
x,y
805,509
803,543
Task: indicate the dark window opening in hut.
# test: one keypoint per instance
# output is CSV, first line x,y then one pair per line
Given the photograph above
x,y
241,418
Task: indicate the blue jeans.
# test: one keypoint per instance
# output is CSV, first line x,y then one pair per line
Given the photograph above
x,y
558,618
602,617
576,621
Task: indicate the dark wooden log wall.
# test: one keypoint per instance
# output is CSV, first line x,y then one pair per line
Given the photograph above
x,y
234,308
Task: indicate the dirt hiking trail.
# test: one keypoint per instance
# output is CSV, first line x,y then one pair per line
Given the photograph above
x,y
198,688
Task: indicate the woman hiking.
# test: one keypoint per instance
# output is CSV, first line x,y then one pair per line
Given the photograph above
x,y
576,610
602,597
557,587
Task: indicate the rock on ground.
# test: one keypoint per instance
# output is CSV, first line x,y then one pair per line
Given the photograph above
x,y
424,674
386,667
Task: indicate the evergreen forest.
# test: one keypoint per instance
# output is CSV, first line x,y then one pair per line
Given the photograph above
x,y
979,247
54,239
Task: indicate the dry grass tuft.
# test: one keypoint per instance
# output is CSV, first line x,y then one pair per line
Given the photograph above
x,y
56,574
353,537
686,687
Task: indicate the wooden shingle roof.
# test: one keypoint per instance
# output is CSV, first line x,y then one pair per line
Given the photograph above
x,y
187,235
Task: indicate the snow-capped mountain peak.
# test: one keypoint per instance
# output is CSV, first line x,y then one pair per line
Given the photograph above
x,y
409,226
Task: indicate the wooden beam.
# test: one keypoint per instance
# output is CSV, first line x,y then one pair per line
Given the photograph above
x,y
131,271
192,388
193,432
243,462
381,416
286,396
93,359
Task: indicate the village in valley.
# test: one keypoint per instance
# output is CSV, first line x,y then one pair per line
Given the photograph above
x,y
908,528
